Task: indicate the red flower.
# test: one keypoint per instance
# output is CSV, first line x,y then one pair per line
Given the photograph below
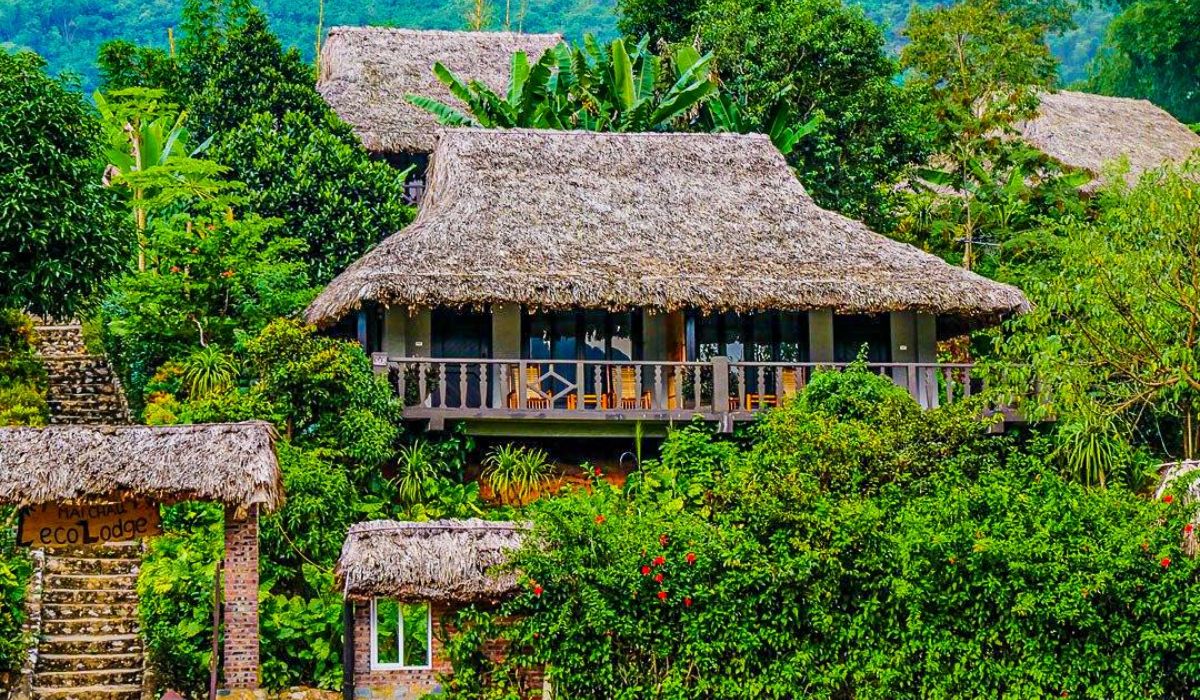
x,y
1168,498
1166,561
662,595
175,268
537,590
659,561
658,578
645,571
687,602
599,519
691,557
1187,529
227,274
662,539
597,471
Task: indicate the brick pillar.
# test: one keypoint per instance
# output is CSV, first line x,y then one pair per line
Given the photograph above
x,y
241,601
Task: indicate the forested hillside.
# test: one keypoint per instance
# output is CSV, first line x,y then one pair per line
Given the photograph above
x,y
68,32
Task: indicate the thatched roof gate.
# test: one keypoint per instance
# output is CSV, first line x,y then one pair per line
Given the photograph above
x,y
234,464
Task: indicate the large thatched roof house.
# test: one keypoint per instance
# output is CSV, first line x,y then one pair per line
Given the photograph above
x,y
234,464
366,72
559,220
620,254
402,580
1088,132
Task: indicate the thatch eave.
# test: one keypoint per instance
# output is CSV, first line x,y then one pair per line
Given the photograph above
x,y
230,463
453,561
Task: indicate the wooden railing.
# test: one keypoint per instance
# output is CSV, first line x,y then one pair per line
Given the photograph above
x,y
583,388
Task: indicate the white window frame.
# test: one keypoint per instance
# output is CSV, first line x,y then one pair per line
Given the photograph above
x,y
376,666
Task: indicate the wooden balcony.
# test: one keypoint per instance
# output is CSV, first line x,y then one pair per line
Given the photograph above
x,y
494,395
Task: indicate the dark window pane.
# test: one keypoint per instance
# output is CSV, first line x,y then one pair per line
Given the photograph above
x,y
621,342
733,337
537,336
595,333
763,341
851,333
793,337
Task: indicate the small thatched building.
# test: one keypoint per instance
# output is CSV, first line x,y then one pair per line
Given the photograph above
x,y
367,72
556,220
233,464
1088,132
402,578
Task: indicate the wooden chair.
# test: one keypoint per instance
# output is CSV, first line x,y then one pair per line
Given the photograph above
x,y
535,396
787,387
631,394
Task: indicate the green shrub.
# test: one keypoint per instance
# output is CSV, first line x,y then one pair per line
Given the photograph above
x,y
15,568
175,596
516,473
854,547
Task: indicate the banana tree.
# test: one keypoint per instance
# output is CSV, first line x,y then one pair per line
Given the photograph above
x,y
148,153
588,87
724,114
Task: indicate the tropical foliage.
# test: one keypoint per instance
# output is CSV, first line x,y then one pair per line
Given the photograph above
x,y
59,227
855,546
590,87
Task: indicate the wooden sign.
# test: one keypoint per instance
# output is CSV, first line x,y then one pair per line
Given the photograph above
x,y
64,525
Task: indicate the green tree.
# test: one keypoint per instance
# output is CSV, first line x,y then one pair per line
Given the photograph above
x,y
822,59
208,278
61,232
977,69
1112,335
1152,51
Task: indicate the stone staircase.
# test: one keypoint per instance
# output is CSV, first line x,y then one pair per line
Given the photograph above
x,y
83,388
89,648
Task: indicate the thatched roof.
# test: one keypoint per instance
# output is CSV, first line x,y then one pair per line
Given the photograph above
x,y
556,219
366,72
442,560
1087,131
233,463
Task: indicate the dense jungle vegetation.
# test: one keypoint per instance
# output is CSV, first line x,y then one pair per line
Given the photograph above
x,y
849,544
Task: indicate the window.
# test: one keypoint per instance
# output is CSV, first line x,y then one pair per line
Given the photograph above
x,y
768,336
852,332
400,635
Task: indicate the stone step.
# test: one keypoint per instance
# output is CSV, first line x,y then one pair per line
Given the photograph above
x,y
96,692
108,550
96,626
74,645
86,679
86,597
60,611
90,582
50,663
90,566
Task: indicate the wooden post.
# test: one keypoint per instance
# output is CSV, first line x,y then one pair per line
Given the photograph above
x,y
348,650
720,369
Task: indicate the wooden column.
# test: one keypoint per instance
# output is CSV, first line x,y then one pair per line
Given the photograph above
x,y
241,663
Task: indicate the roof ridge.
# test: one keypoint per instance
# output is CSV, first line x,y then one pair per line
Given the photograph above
x,y
347,28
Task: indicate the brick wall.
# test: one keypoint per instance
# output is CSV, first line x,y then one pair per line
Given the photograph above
x,y
241,601
372,684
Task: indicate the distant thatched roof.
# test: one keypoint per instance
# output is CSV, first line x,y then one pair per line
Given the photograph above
x,y
442,560
1087,131
233,463
578,219
367,71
